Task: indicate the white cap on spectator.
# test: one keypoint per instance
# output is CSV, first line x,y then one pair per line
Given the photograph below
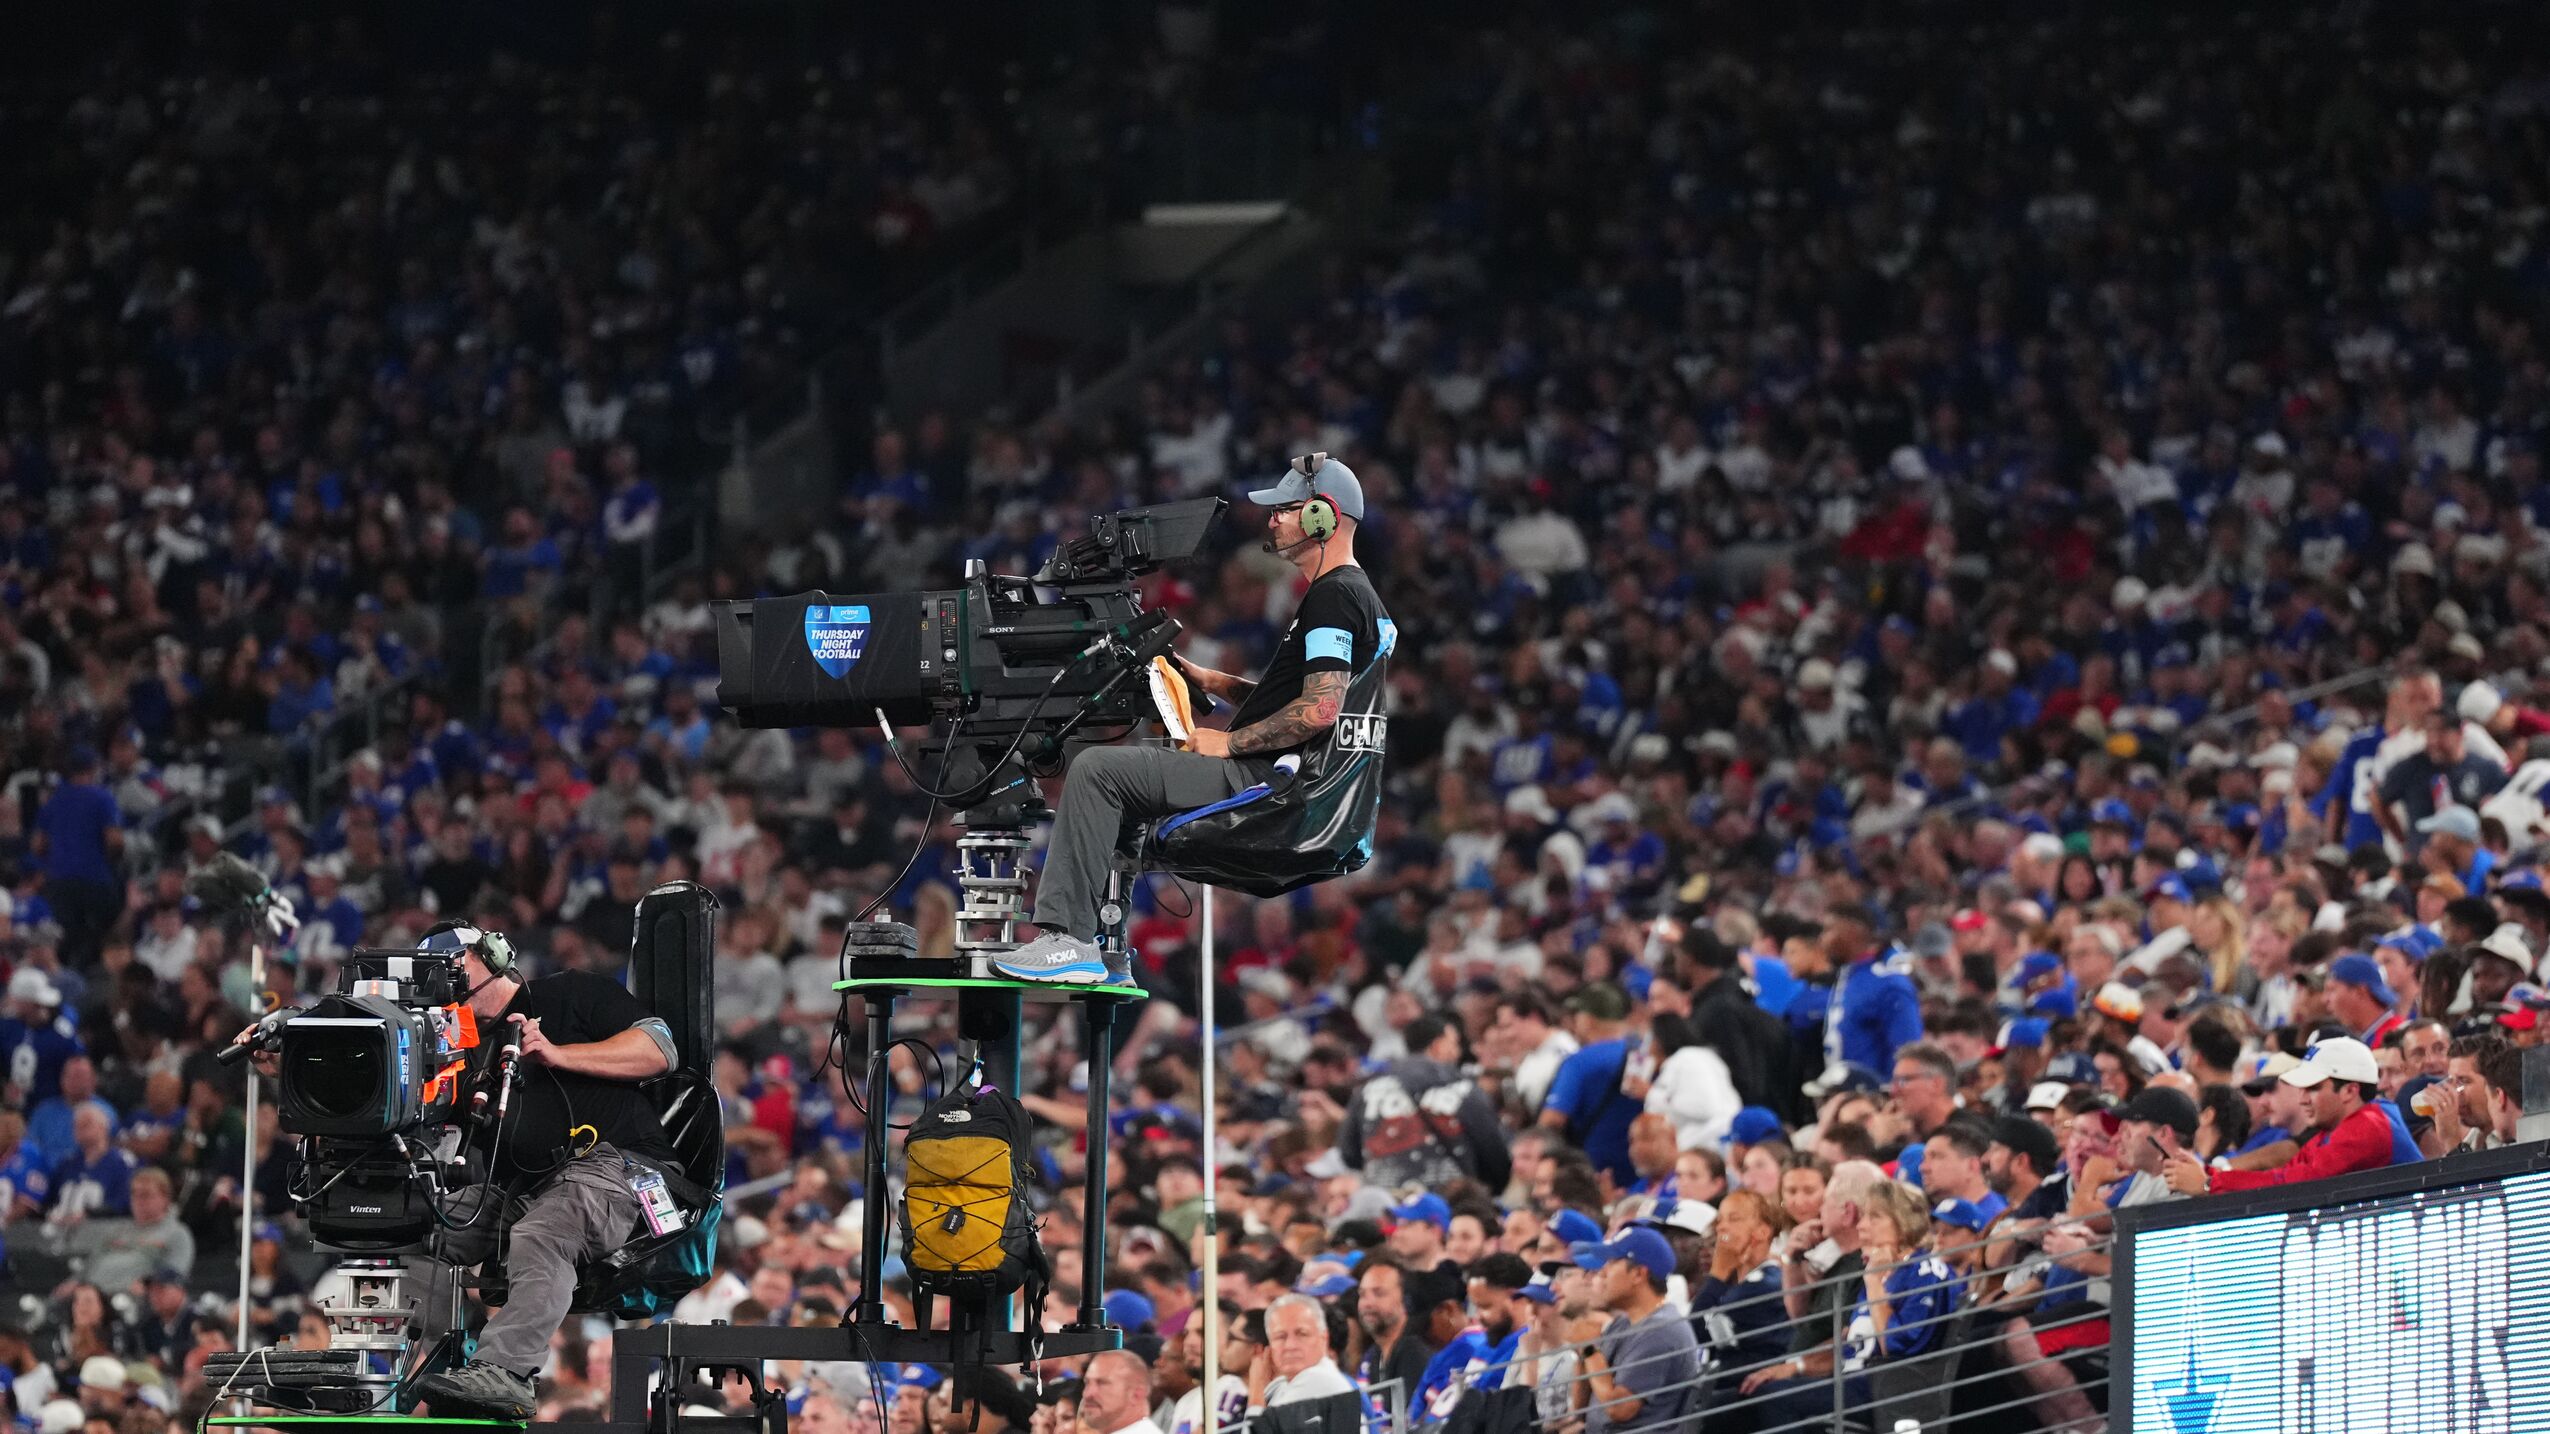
x,y
2277,755
2205,756
2416,558
102,1371
2464,645
30,984
2336,1058
2118,1000
750,1233
61,1416
2508,942
2129,592
1815,675
2000,660
2479,702
2270,443
1907,464
1530,801
1268,982
2457,821
2047,1095
1611,807
2451,614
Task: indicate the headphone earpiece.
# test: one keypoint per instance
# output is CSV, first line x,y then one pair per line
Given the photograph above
x,y
496,954
1319,519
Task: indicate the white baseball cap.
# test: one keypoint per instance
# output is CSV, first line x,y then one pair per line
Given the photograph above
x,y
30,984
2047,1095
1695,1217
2479,702
2336,1058
2508,942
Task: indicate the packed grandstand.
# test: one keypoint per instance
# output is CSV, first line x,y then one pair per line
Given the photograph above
x,y
1972,604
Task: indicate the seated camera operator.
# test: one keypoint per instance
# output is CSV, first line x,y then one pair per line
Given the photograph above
x,y
559,1172
1337,630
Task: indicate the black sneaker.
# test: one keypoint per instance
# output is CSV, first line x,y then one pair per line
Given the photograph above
x,y
481,1389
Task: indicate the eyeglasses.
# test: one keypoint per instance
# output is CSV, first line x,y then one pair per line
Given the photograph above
x,y
1908,1077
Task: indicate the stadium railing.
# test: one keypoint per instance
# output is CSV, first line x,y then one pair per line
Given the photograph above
x,y
1924,1389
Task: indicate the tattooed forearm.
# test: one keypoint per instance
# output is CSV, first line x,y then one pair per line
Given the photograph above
x,y
1300,720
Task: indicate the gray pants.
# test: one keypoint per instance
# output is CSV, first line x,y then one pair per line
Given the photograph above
x,y
1105,787
583,1213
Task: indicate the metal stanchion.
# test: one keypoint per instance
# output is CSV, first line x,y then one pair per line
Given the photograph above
x,y
1212,1181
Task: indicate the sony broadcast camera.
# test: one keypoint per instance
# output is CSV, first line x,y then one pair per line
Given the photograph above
x,y
1002,668
373,1079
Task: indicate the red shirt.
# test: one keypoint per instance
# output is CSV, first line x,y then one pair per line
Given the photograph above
x,y
2362,1141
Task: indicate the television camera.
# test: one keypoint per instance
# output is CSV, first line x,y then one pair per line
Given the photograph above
x,y
376,1081
1004,668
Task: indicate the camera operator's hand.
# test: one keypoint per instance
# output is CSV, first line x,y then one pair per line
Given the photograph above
x,y
269,1061
1209,742
535,1046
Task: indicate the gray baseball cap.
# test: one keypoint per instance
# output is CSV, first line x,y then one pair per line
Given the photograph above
x,y
1326,477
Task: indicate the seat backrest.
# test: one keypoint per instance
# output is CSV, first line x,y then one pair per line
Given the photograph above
x,y
672,957
694,1125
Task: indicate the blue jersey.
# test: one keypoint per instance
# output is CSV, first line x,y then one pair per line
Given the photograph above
x,y
1920,1296
1774,989
1876,1009
96,1188
31,1056
1747,1321
2404,1149
2352,788
1587,1091
1454,1358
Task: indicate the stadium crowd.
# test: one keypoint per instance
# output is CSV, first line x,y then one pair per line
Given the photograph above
x,y
1973,635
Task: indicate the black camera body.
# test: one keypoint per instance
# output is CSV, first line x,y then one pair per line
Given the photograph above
x,y
1017,663
372,1081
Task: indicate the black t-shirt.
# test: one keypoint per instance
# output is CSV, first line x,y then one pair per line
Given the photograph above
x,y
1339,627
573,1008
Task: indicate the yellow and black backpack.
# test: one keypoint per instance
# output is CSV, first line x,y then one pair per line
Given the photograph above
x,y
968,1231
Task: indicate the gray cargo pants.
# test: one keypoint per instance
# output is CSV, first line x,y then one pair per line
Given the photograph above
x,y
584,1212
1106,787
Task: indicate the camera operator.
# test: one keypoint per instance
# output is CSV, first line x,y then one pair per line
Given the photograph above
x,y
559,1166
1337,630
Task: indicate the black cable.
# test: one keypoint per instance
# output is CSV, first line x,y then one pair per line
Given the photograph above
x,y
1016,740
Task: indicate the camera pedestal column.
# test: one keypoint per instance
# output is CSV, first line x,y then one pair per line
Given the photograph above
x,y
885,964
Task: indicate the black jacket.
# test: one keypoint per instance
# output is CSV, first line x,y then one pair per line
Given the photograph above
x,y
1754,1044
1424,1123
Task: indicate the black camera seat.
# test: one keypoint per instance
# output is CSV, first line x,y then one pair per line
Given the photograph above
x,y
671,972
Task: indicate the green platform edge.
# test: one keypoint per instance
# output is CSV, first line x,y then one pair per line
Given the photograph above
x,y
980,983
404,1421
325,1419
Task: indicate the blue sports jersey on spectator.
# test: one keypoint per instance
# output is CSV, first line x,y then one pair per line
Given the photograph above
x,y
31,1055
75,821
97,1188
1876,1009
1587,1091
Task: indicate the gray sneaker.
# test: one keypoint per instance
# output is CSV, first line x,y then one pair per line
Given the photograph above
x,y
1055,959
482,1389
1120,968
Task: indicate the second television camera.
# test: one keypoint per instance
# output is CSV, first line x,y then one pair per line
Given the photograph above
x,y
1002,667
372,1079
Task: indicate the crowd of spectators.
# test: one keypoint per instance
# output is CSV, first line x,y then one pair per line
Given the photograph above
x,y
1972,632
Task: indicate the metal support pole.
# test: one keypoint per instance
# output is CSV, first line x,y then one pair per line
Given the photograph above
x,y
248,1165
870,1308
992,1020
1212,1181
1099,1014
